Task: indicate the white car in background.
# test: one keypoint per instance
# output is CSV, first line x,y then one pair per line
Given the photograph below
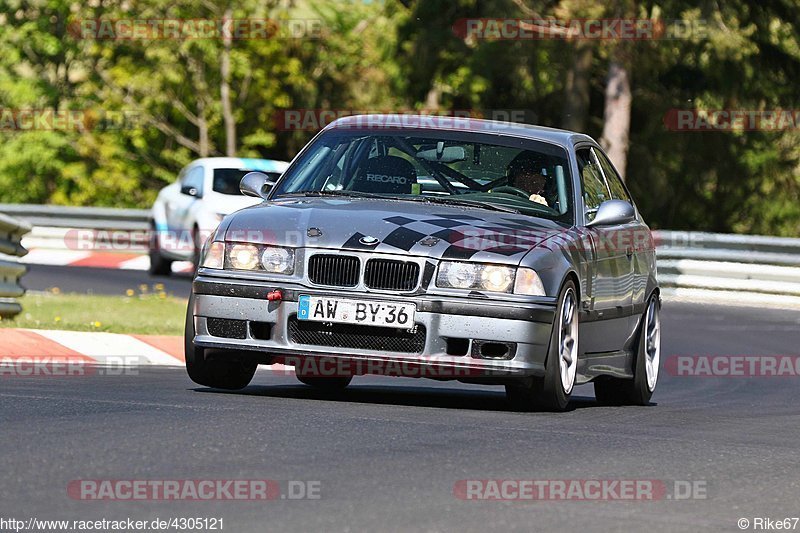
x,y
187,211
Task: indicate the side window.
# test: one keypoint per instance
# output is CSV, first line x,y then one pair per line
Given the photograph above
x,y
194,178
595,191
618,191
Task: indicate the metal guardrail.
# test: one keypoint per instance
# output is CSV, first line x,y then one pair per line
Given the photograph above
x,y
86,239
753,249
694,261
56,216
744,264
11,232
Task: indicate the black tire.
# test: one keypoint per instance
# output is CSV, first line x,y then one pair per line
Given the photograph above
x,y
636,391
524,394
547,393
325,383
220,373
158,265
612,391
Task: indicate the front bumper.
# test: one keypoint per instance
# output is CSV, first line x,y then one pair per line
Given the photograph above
x,y
472,324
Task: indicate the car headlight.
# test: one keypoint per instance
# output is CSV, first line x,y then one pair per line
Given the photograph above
x,y
491,278
243,256
457,275
214,256
278,260
529,283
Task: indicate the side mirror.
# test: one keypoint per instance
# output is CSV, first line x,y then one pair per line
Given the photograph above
x,y
190,190
613,213
256,184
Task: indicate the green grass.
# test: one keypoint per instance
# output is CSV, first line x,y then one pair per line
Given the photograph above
x,y
147,314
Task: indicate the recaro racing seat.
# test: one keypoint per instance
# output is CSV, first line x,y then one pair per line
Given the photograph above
x,y
385,174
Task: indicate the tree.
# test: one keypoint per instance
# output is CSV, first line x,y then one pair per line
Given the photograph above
x,y
186,98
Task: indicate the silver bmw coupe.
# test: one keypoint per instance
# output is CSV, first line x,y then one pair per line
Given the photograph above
x,y
435,247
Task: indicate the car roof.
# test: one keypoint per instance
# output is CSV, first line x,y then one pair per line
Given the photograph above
x,y
397,122
265,165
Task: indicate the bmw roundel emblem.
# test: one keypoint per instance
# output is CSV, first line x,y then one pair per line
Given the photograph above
x,y
368,240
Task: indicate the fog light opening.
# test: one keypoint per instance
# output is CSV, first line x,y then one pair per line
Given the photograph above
x,y
261,330
493,350
457,346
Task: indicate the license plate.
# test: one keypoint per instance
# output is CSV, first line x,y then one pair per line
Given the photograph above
x,y
344,311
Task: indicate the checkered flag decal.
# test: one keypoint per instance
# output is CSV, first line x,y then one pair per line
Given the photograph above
x,y
459,236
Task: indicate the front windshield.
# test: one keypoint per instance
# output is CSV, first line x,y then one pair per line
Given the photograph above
x,y
493,172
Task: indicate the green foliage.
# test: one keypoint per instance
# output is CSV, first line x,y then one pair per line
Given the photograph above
x,y
169,90
383,55
744,54
744,181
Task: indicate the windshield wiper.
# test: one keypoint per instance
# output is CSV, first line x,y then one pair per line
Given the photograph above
x,y
471,203
430,199
340,194
351,194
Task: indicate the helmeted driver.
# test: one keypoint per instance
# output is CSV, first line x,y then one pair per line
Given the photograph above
x,y
525,172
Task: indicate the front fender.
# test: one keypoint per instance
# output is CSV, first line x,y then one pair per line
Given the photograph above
x,y
562,255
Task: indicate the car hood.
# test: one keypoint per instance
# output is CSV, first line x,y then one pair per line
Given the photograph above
x,y
420,229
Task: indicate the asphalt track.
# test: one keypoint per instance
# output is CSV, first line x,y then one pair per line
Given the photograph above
x,y
388,452
100,280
